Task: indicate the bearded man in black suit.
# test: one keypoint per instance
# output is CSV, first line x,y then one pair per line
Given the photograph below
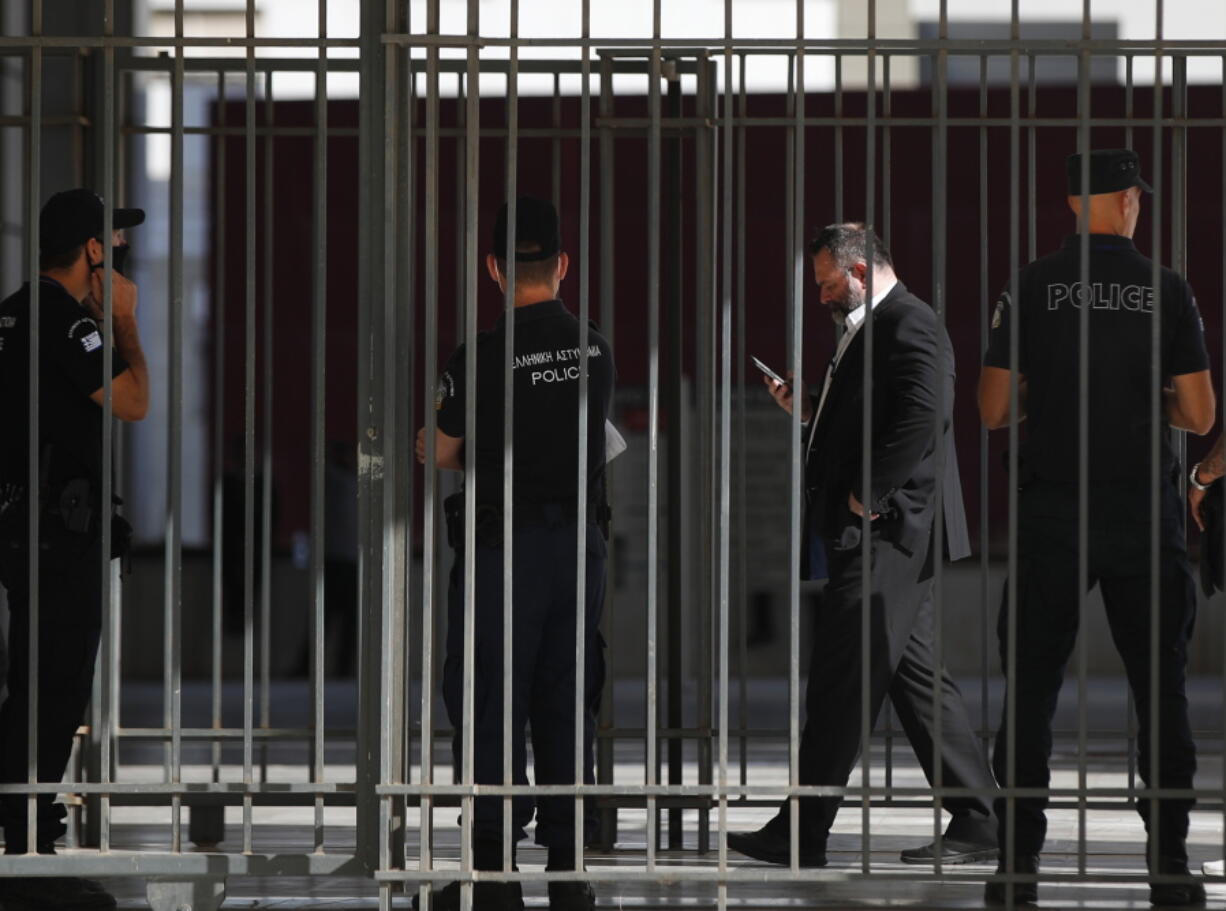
x,y
912,394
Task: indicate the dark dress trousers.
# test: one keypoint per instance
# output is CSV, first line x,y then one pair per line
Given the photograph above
x,y
912,376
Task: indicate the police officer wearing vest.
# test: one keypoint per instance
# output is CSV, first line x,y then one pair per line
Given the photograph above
x,y
545,514
1123,302
70,508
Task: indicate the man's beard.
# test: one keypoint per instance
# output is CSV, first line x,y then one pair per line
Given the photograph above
x,y
853,300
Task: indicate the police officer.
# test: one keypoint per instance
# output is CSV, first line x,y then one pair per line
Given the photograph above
x,y
1123,302
545,513
69,503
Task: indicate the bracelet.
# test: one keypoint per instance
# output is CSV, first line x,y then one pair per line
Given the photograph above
x,y
1193,480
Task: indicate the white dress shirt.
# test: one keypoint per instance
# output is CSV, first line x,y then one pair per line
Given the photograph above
x,y
851,325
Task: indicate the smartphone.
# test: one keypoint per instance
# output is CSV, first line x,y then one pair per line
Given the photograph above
x,y
771,373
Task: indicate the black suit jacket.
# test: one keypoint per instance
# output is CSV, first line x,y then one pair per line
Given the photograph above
x,y
912,354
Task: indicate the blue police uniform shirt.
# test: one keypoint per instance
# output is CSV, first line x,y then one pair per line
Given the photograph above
x,y
71,353
1122,298
546,406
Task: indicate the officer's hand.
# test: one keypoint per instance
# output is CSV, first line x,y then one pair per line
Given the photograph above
x,y
858,508
1195,498
421,446
783,394
123,296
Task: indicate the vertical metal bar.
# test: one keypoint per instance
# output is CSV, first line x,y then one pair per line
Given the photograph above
x,y
249,439
174,456
985,320
797,199
429,476
219,413
319,349
866,436
556,147
585,205
472,178
33,170
1083,435
740,216
654,151
676,480
1154,847
940,228
103,722
838,137
266,428
1032,186
1010,725
387,532
889,731
724,522
508,438
605,742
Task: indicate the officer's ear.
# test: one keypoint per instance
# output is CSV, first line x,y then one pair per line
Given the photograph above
x,y
95,253
563,266
491,266
859,270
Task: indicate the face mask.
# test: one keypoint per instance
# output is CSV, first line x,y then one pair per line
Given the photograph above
x,y
119,259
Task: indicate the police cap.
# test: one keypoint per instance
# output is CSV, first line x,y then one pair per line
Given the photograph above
x,y
536,224
72,217
1111,170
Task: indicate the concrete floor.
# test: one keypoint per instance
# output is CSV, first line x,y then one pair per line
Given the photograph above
x,y
1114,844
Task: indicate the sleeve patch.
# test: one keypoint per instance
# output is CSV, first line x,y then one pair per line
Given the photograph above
x,y
92,342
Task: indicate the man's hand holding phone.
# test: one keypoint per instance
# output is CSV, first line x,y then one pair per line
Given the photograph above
x,y
783,391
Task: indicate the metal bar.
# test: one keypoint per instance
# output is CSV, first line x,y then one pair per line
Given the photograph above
x,y
429,476
266,424
508,441
1010,657
654,153
985,320
940,305
469,257
796,196
102,722
724,423
319,348
33,170
1083,432
219,412
582,473
174,456
249,440
1154,848
740,216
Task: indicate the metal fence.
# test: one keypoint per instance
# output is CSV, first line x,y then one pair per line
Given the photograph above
x,y
683,759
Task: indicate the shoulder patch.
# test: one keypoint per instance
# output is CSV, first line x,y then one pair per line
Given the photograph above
x,y
92,342
443,391
999,314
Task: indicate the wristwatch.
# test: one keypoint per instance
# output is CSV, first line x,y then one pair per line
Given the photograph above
x,y
1193,481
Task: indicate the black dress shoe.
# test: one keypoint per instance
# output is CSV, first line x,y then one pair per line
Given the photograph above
x,y
1023,893
568,896
486,897
1177,895
953,851
766,844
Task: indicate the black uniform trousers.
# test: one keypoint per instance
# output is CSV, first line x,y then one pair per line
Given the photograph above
x,y
70,624
1047,622
542,676
901,665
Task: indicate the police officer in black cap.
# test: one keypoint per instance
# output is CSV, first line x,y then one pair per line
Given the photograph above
x,y
69,503
545,513
1123,301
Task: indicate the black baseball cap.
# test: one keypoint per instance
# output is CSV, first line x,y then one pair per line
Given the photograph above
x,y
536,224
72,217
1111,170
